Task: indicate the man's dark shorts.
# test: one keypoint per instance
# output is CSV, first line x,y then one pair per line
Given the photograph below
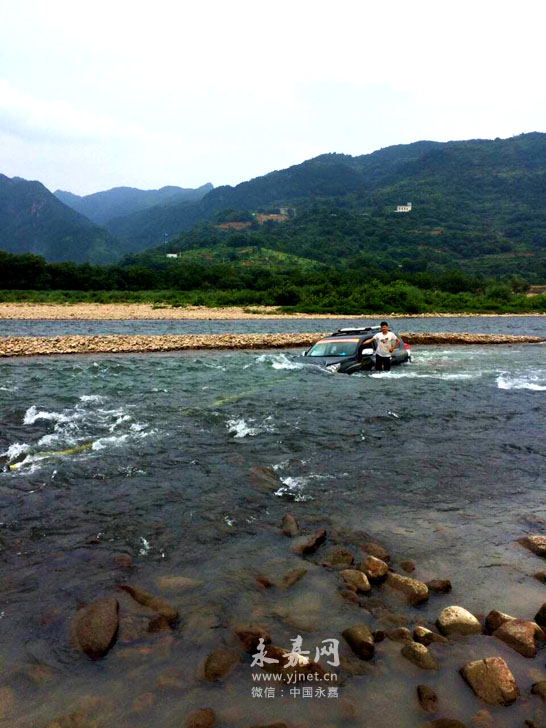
x,y
382,363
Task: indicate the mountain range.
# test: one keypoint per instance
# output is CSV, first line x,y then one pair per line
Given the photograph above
x,y
476,203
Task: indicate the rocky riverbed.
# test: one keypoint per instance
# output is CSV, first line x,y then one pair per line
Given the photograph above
x,y
34,346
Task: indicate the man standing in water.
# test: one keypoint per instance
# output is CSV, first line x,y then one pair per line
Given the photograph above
x,y
386,344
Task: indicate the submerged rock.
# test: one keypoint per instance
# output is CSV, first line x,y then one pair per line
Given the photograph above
x,y
491,680
519,634
176,583
292,577
400,634
540,616
419,655
540,576
539,688
427,636
408,566
289,525
535,543
251,634
149,600
457,620
439,586
444,723
375,549
428,700
219,663
339,559
73,720
375,569
356,580
360,640
309,544
203,718
96,626
415,591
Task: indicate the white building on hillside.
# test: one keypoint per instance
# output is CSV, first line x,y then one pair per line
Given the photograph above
x,y
404,208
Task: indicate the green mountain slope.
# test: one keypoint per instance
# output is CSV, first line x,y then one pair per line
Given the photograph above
x,y
100,207
32,220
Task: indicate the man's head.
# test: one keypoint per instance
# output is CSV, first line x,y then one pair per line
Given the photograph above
x,y
384,327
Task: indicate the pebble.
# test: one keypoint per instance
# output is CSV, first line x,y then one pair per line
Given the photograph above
x,y
427,636
375,549
375,569
289,525
428,700
419,655
415,591
149,600
518,634
251,634
539,688
96,626
439,586
338,559
356,580
457,620
408,566
360,640
309,544
491,680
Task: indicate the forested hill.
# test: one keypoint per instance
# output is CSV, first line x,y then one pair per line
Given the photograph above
x,y
101,207
32,220
495,189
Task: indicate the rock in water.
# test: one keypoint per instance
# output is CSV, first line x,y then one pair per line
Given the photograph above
x,y
148,600
428,699
539,688
375,549
496,619
540,616
374,568
290,578
520,635
96,627
457,620
444,723
535,543
419,655
309,544
415,590
356,580
439,586
427,636
289,525
251,634
340,559
219,663
360,640
491,680
203,718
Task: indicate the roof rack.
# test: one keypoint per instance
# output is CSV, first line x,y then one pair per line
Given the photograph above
x,y
356,330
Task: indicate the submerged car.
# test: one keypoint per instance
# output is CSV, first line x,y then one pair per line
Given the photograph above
x,y
344,351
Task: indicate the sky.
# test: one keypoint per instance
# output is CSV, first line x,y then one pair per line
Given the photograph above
x,y
172,92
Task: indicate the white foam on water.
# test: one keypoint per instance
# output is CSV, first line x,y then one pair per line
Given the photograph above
x,y
8,389
277,361
103,442
533,382
32,415
294,487
93,398
144,550
13,451
240,427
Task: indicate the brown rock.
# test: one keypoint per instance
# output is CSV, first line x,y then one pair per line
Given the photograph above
x,y
535,543
263,582
520,635
149,600
39,674
428,700
482,719
350,596
540,616
541,576
203,718
360,641
375,549
491,680
356,580
289,526
408,566
219,663
427,636
339,559
399,634
309,544
251,634
374,568
378,635
415,591
439,586
264,479
96,626
302,667
444,723
539,688
495,619
457,620
122,561
292,577
419,655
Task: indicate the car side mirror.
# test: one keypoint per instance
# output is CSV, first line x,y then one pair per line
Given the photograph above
x,y
366,352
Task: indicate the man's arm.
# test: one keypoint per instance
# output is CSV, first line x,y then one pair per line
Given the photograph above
x,y
396,343
368,341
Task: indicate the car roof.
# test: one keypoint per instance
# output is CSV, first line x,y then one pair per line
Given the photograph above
x,y
356,331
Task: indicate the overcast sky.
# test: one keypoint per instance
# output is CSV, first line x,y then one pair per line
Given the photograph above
x,y
145,94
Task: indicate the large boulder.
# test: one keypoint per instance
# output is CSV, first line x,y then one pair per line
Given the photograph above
x,y
415,591
457,620
96,626
419,655
355,580
519,634
491,680
374,568
360,640
535,543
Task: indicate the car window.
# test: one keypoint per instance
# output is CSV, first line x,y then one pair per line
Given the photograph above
x,y
334,347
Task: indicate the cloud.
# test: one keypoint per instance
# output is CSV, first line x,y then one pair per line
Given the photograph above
x,y
25,116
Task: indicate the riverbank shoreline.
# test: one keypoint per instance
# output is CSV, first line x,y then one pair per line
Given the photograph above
x,y
19,346
148,311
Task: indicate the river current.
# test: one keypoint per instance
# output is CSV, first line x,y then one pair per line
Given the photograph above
x,y
184,464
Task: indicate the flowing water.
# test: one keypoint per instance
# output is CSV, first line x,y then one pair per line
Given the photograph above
x,y
161,458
